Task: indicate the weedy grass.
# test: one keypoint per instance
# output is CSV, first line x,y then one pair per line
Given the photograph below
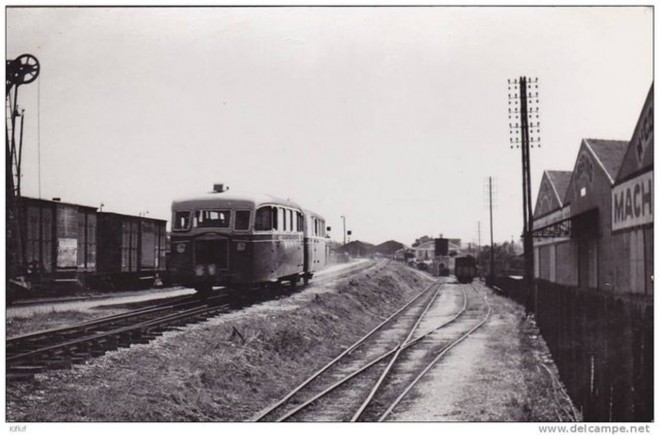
x,y
225,369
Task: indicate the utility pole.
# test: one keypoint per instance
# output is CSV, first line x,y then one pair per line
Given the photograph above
x,y
343,218
523,120
492,247
478,237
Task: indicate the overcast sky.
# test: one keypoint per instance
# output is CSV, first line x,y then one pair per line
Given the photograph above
x,y
393,117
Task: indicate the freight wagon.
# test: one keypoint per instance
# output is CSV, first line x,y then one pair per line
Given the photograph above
x,y
64,247
58,243
465,268
131,250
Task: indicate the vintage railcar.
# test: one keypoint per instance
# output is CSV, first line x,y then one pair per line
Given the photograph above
x,y
242,240
316,248
465,268
131,250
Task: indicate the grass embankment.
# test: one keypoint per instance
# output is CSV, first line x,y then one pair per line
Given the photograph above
x,y
226,369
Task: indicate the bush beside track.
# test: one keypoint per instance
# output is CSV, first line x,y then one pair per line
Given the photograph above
x,y
225,369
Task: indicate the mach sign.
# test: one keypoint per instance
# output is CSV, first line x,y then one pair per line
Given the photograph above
x,y
632,202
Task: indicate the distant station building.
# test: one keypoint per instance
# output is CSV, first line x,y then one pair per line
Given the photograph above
x,y
593,226
389,248
357,249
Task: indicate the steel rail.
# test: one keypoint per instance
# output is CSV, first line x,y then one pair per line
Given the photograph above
x,y
33,336
351,348
147,325
437,358
373,362
389,366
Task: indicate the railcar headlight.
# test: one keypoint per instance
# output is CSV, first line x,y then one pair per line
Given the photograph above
x,y
240,246
199,270
181,248
211,269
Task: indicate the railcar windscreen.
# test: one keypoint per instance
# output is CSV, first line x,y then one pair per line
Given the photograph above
x,y
181,220
212,219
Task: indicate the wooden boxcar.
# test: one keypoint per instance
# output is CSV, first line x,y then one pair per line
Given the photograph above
x,y
57,242
465,268
131,250
66,247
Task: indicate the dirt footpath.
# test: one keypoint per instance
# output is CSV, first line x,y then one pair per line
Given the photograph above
x,y
499,373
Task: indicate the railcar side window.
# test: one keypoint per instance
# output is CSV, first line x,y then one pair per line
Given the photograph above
x,y
181,220
263,220
242,220
289,219
300,223
285,226
212,219
280,218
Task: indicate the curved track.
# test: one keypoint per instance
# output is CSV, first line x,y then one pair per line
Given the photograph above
x,y
369,379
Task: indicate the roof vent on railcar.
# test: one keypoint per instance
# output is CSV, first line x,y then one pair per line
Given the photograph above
x,y
220,187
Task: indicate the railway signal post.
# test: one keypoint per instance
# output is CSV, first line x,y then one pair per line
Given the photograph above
x,y
20,71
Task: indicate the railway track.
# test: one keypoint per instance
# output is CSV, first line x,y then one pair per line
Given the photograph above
x,y
370,378
58,348
29,354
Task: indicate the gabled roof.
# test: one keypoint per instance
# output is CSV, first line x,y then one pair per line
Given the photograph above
x,y
357,243
389,247
552,192
609,154
560,181
640,151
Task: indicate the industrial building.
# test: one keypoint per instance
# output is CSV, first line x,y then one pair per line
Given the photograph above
x,y
593,226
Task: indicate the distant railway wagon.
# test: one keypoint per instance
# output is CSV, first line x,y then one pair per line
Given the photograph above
x,y
131,249
465,268
65,245
238,239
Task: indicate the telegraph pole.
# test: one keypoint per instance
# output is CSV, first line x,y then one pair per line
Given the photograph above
x,y
492,247
343,218
523,120
479,237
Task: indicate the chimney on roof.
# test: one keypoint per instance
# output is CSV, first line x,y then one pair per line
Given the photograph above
x,y
220,187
